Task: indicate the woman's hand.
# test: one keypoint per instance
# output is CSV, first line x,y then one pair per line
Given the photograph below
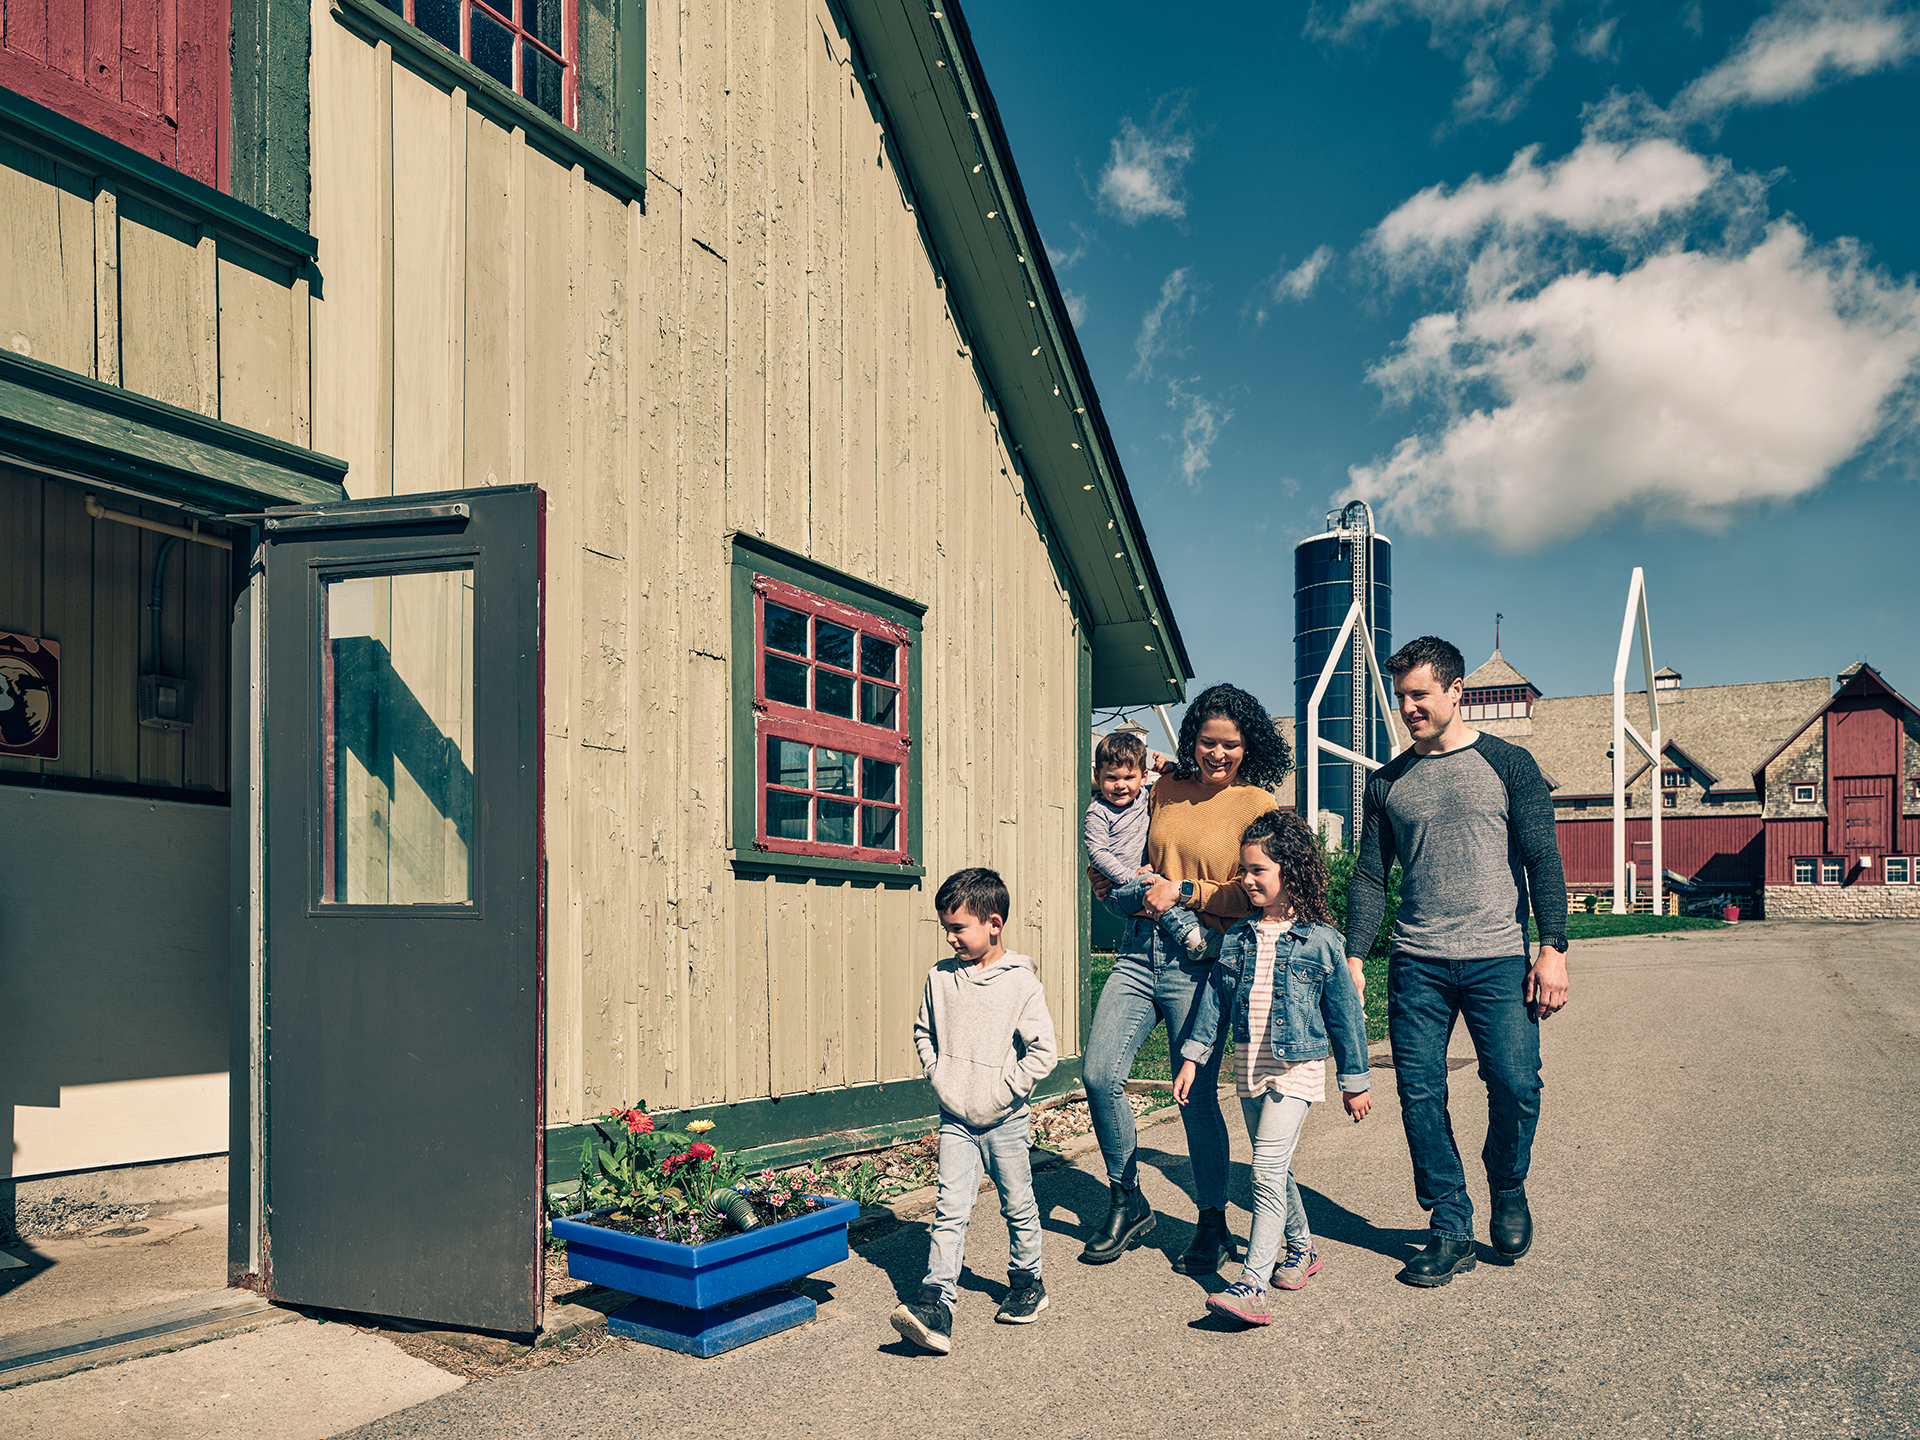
x,y
1183,1082
1102,886
1161,897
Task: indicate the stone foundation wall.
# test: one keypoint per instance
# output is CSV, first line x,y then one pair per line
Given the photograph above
x,y
1843,902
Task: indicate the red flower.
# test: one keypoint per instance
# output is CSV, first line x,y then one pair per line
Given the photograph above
x,y
700,1150
637,1121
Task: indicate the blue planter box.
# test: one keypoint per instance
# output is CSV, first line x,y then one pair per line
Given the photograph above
x,y
701,1277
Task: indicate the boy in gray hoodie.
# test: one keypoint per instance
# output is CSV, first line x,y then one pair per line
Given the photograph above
x,y
985,1040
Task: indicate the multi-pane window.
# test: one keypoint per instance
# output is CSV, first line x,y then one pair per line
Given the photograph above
x,y
831,727
1803,872
1832,872
527,45
1670,800
1675,779
1499,703
1805,794
1899,869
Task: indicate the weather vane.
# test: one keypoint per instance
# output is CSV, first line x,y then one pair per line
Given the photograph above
x,y
1497,618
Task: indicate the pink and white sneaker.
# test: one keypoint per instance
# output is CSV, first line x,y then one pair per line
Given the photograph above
x,y
1243,1300
1300,1262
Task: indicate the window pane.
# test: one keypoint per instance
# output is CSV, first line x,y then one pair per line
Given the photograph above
x,y
1896,872
493,48
441,20
1830,873
836,772
833,644
398,708
786,816
880,780
786,629
878,827
879,705
542,20
836,822
1803,872
540,80
877,657
832,694
786,681
787,763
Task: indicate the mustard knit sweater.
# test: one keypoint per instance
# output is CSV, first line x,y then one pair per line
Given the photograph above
x,y
1194,834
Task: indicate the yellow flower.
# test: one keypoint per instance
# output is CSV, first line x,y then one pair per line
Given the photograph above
x,y
699,1127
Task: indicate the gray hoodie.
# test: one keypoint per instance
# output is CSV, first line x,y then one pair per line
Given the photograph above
x,y
984,1036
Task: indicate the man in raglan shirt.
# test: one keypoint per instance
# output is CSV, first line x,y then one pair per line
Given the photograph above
x,y
1469,820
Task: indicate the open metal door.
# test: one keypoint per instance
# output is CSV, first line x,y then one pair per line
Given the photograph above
x,y
399,1045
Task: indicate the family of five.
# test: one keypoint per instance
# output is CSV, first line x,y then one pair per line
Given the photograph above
x,y
1231,937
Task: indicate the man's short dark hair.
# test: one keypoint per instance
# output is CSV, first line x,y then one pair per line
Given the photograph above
x,y
1122,747
1447,662
979,892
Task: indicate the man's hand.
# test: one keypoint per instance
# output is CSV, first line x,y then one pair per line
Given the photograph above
x,y
1358,967
1160,764
1359,1105
1546,988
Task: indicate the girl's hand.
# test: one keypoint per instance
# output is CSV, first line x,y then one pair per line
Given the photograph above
x,y
1183,1082
1358,1105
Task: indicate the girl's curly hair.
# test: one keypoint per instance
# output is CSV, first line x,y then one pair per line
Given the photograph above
x,y
1269,758
1303,867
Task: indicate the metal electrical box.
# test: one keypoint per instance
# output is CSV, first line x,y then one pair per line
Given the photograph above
x,y
166,702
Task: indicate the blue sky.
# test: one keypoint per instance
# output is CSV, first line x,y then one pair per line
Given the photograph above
x,y
1560,288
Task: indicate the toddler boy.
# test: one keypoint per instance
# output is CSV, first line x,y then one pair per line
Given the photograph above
x,y
985,1040
1115,831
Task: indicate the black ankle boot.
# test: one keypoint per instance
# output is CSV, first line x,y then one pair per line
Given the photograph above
x,y
1512,1226
1211,1245
1439,1262
1127,1223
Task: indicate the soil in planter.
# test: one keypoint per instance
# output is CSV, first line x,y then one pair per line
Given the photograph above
x,y
629,1223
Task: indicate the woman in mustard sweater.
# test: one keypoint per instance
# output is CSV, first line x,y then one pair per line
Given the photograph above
x,y
1230,761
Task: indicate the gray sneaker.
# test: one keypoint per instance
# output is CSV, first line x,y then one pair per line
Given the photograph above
x,y
1026,1298
926,1321
1243,1300
1299,1262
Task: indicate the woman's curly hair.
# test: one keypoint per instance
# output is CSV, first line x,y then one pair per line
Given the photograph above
x,y
1303,867
1269,758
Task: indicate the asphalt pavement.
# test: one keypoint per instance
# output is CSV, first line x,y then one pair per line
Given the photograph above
x,y
1727,1163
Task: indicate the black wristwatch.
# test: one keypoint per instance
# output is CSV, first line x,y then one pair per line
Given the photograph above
x,y
1187,892
1556,942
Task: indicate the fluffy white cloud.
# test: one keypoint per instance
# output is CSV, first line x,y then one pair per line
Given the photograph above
x,y
1145,169
1799,47
1288,284
1076,306
1605,188
1689,385
1503,46
1201,420
1163,327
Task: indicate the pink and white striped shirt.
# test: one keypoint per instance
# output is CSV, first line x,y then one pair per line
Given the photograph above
x,y
1255,1070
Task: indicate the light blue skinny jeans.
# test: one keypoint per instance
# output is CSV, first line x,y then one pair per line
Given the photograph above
x,y
1274,1123
965,1155
1154,980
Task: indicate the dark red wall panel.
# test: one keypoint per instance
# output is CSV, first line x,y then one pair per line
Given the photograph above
x,y
1788,838
151,74
1724,848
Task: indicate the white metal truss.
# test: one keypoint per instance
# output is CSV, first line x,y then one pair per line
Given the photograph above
x,y
1636,617
1355,616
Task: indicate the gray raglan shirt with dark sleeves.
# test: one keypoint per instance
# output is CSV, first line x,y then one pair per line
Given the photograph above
x,y
1474,833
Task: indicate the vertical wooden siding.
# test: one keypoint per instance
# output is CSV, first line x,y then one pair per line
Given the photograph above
x,y
123,291
85,583
1701,847
761,346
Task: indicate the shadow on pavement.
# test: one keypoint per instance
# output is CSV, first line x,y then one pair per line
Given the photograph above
x,y
1333,1221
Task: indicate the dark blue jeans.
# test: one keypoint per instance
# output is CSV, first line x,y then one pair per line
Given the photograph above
x,y
1424,998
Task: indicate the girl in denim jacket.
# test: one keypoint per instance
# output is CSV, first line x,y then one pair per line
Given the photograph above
x,y
1282,976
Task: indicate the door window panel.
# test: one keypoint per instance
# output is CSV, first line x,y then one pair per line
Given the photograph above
x,y
397,702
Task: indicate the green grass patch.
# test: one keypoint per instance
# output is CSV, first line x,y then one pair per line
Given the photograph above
x,y
1594,927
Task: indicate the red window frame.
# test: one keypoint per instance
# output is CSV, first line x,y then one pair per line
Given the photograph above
x,y
511,15
802,724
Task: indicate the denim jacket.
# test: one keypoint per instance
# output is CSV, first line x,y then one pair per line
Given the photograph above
x,y
1314,1000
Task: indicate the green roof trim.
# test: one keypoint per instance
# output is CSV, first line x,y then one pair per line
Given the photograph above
x,y
51,133
920,67
55,420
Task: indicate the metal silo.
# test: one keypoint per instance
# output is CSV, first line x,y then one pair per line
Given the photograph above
x,y
1347,562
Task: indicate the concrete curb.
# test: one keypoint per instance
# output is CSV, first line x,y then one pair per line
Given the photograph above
x,y
235,1317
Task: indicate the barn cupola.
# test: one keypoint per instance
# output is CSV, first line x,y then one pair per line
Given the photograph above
x,y
1666,678
1497,691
